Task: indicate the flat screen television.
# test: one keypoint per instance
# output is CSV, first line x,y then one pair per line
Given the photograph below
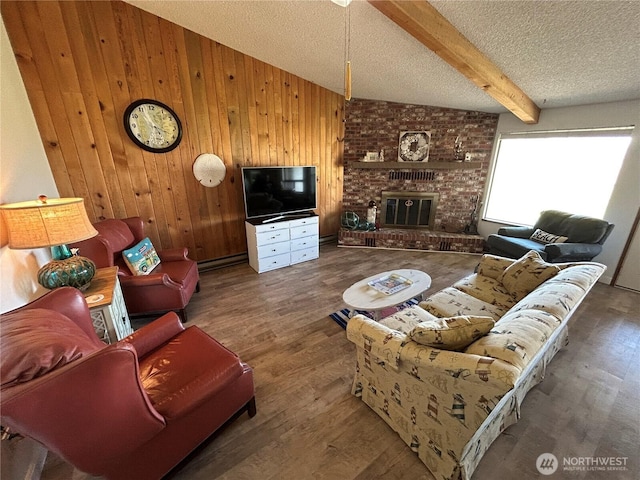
x,y
278,191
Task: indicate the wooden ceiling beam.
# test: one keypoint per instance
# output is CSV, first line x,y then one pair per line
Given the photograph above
x,y
426,24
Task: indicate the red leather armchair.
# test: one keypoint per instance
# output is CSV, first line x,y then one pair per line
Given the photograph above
x,y
133,409
168,287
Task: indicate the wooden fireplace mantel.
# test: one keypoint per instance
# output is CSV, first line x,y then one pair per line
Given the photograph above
x,y
417,165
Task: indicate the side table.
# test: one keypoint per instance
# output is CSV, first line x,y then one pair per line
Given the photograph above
x,y
106,304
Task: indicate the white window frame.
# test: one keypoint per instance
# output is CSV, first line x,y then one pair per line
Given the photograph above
x,y
530,171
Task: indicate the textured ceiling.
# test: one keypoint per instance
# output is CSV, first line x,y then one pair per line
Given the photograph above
x,y
560,52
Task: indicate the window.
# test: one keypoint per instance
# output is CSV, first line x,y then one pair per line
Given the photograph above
x,y
573,171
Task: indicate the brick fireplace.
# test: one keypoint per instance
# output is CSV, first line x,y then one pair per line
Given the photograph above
x,y
372,126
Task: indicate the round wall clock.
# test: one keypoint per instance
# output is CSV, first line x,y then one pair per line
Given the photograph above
x,y
209,170
414,146
152,125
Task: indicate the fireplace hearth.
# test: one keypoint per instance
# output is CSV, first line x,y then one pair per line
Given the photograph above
x,y
412,239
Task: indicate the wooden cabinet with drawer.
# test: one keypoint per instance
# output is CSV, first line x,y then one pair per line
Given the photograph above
x,y
106,305
282,243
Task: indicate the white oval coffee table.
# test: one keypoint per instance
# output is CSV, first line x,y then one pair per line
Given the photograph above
x,y
361,296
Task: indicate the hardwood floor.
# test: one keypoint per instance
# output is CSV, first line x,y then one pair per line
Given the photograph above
x,y
308,424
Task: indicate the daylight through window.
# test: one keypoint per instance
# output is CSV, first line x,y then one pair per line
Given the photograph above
x,y
572,171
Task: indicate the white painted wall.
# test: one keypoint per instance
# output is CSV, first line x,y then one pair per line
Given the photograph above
x,y
625,198
24,174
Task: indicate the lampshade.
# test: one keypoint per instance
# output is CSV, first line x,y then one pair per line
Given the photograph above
x,y
53,223
47,222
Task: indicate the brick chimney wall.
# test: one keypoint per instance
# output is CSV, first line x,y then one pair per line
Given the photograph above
x,y
372,126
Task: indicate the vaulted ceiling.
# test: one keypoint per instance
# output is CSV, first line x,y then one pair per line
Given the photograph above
x,y
558,52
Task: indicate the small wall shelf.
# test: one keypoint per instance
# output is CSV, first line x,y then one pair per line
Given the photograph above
x,y
417,165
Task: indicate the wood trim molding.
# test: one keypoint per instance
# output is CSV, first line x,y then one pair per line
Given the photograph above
x,y
426,24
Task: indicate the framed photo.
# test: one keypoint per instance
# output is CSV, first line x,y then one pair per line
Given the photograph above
x,y
371,157
414,146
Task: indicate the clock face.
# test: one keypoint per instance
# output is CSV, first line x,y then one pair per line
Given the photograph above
x,y
152,125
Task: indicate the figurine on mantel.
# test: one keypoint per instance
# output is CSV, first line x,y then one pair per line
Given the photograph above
x,y
457,149
382,155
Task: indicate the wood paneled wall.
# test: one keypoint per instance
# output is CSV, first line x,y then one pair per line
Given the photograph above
x,y
83,63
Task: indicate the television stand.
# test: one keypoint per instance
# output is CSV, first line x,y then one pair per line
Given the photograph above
x,y
282,243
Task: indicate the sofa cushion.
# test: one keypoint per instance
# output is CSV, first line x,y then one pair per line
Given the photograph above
x,y
486,289
526,273
544,237
451,302
557,299
451,333
517,337
36,341
544,322
407,318
581,275
492,266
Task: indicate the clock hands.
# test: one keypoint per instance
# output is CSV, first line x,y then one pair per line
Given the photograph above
x,y
156,136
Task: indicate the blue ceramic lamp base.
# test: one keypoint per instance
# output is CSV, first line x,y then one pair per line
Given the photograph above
x,y
66,269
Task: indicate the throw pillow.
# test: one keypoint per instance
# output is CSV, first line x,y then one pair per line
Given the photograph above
x,y
541,236
526,274
492,266
36,341
141,258
452,333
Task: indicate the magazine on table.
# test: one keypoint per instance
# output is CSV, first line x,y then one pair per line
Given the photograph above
x,y
390,284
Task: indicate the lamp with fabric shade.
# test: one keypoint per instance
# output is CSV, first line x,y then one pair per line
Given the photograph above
x,y
53,223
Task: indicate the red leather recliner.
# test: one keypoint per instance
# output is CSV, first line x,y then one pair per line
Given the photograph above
x,y
168,287
133,409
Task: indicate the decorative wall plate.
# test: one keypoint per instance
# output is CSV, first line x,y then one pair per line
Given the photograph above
x,y
414,146
209,170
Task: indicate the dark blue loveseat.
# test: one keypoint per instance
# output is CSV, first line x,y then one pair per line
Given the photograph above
x,y
556,236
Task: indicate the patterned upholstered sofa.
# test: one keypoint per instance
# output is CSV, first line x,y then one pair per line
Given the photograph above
x,y
449,401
